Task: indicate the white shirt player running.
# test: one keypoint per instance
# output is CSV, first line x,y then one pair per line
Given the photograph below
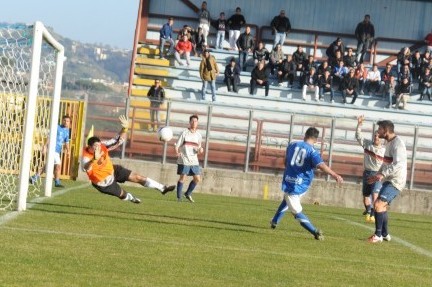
x,y
189,143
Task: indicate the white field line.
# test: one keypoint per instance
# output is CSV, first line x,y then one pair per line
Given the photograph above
x,y
411,246
194,245
14,214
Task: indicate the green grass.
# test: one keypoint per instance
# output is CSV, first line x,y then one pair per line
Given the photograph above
x,y
84,238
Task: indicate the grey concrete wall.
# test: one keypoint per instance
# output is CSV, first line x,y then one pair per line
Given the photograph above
x,y
266,186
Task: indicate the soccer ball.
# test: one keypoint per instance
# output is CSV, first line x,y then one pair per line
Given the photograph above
x,y
165,134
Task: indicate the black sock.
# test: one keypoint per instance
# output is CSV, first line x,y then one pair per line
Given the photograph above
x,y
379,219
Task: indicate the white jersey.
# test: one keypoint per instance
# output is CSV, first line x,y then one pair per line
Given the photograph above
x,y
373,155
188,145
394,167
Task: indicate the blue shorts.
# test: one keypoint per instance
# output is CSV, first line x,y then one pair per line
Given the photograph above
x,y
388,192
367,188
188,169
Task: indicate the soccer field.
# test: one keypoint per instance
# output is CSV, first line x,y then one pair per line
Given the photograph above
x,y
83,238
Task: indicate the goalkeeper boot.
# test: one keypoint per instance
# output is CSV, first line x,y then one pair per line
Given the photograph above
x,y
134,199
167,189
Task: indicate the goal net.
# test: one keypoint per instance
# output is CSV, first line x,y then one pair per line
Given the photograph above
x,y
31,64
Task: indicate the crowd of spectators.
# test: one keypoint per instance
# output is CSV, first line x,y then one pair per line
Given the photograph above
x,y
342,71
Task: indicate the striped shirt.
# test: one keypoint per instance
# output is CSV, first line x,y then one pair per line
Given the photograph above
x,y
188,145
373,155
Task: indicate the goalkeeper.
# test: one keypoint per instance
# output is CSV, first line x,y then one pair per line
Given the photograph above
x,y
105,176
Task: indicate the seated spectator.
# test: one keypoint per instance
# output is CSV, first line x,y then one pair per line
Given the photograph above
x,y
325,83
310,63
337,45
350,86
259,77
390,90
361,74
286,71
405,73
183,47
323,67
403,91
403,58
232,76
385,77
208,72
299,58
235,22
373,80
334,61
276,58
339,73
425,84
197,40
350,59
416,63
310,83
245,44
260,53
425,59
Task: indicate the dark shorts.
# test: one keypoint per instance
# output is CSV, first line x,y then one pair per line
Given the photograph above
x,y
121,175
188,169
388,192
367,188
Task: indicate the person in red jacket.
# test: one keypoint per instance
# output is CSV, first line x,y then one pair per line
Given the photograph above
x,y
183,47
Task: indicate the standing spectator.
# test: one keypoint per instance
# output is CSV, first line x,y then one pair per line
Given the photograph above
x,y
156,95
325,83
390,90
281,27
235,22
416,62
301,159
221,25
245,44
198,39
204,21
373,80
337,45
232,76
372,161
361,74
365,34
286,71
259,77
426,84
260,53
393,173
187,148
350,59
311,84
166,36
349,87
208,73
183,47
428,41
276,58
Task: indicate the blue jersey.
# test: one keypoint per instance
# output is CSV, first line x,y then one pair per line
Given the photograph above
x,y
300,161
62,137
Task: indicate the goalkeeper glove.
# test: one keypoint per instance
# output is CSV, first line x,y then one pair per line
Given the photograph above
x,y
124,123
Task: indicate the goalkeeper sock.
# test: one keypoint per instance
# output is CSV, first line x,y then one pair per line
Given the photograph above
x,y
153,184
128,197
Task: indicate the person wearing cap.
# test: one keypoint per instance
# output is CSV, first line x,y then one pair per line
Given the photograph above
x,y
235,22
281,27
208,72
232,76
166,36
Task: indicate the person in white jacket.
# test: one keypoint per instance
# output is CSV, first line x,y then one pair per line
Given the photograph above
x,y
393,174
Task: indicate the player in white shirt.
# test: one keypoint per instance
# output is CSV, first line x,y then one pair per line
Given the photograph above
x,y
187,148
393,174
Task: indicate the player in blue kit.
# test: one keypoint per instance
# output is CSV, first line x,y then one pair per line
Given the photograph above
x,y
300,161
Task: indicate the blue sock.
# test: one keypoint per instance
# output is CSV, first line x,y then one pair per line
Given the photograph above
x,y
191,187
305,222
379,220
280,212
179,189
57,181
384,226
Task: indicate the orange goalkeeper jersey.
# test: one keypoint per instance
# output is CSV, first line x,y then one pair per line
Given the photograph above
x,y
99,172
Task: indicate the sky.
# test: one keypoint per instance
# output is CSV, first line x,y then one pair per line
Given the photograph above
x,y
109,22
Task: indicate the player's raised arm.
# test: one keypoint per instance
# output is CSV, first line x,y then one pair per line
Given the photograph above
x,y
121,137
330,172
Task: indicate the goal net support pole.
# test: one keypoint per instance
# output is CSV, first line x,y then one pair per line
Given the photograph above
x,y
39,33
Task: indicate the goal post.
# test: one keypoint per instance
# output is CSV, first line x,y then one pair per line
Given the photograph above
x,y
31,71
